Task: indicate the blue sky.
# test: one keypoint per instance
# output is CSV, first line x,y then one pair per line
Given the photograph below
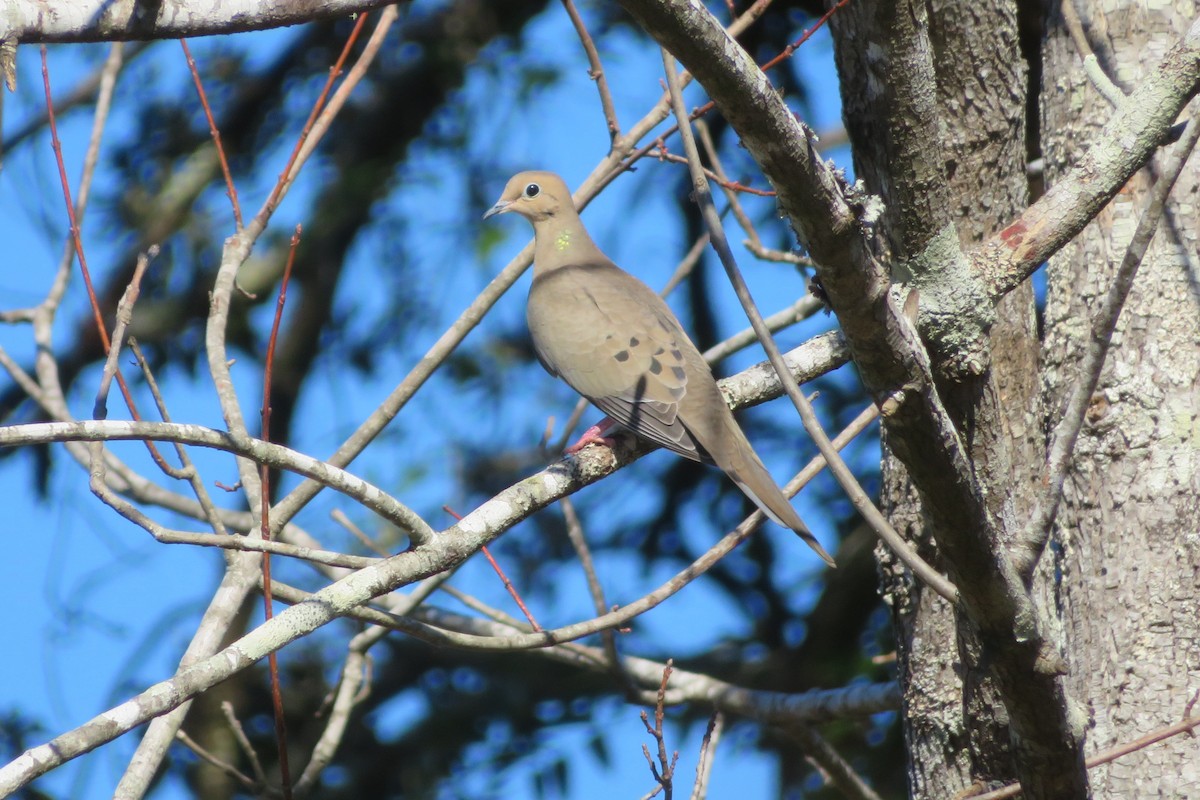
x,y
98,610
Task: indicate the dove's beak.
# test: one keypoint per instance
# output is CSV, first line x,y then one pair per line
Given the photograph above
x,y
500,207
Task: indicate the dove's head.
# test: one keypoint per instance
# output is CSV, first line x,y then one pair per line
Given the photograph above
x,y
534,195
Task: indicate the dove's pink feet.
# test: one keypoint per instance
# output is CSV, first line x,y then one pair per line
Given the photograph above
x,y
593,435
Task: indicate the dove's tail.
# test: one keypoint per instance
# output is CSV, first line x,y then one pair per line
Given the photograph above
x,y
768,497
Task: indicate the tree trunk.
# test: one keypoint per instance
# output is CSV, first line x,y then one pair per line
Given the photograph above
x,y
1120,580
956,728
1127,542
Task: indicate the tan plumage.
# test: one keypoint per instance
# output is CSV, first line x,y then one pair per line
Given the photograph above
x,y
615,341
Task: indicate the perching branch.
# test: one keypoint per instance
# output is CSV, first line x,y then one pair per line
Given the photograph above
x,y
435,555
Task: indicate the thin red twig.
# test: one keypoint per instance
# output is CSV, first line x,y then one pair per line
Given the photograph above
x,y
75,237
663,154
77,242
265,473
334,72
804,37
641,152
1186,725
1187,709
216,134
512,590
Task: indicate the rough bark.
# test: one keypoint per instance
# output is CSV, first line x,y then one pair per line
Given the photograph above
x,y
1127,544
973,164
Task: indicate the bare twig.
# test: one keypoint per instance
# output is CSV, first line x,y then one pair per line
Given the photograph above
x,y
798,311
708,749
1187,709
188,471
661,152
764,253
734,29
491,612
579,542
596,72
753,243
230,189
76,239
243,544
686,265
124,316
735,203
1091,65
664,770
508,585
340,518
76,235
285,775
239,735
113,64
836,769
352,690
22,378
503,633
89,89
512,590
1106,756
322,114
247,447
221,764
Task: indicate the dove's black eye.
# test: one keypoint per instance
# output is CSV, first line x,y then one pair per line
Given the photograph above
x,y
532,190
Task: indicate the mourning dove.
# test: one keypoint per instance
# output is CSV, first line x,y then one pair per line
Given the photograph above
x,y
615,341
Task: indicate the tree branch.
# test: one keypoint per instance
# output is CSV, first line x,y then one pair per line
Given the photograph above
x,y
1138,127
124,20
254,450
